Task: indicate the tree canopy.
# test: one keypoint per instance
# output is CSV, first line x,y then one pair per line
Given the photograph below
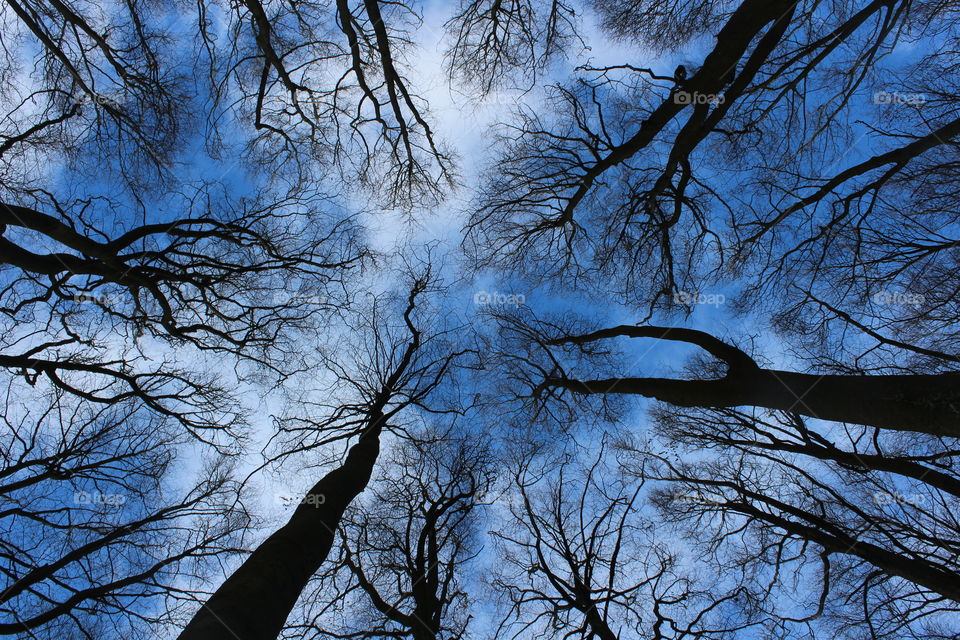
x,y
508,319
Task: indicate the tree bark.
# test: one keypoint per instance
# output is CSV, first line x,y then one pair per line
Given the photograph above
x,y
254,602
924,403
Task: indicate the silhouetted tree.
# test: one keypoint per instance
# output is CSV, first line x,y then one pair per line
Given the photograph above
x,y
493,41
400,372
798,156
104,518
582,562
134,294
404,564
103,86
651,185
925,403
868,517
327,81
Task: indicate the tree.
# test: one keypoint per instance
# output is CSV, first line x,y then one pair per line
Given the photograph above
x,y
580,561
656,186
184,191
925,403
130,285
326,82
104,82
867,515
398,372
407,548
101,522
98,264
814,186
493,41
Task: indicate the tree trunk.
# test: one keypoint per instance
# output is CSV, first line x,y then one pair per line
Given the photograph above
x,y
254,602
927,575
922,403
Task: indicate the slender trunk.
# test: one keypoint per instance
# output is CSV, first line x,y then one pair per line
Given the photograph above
x,y
917,571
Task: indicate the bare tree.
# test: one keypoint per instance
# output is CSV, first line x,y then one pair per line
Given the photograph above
x,y
119,275
103,76
98,279
582,562
103,523
98,260
925,403
326,82
869,517
868,512
400,372
493,41
405,560
801,155
659,182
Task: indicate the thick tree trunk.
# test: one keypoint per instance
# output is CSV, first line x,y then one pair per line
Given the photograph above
x,y
254,602
598,625
922,403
